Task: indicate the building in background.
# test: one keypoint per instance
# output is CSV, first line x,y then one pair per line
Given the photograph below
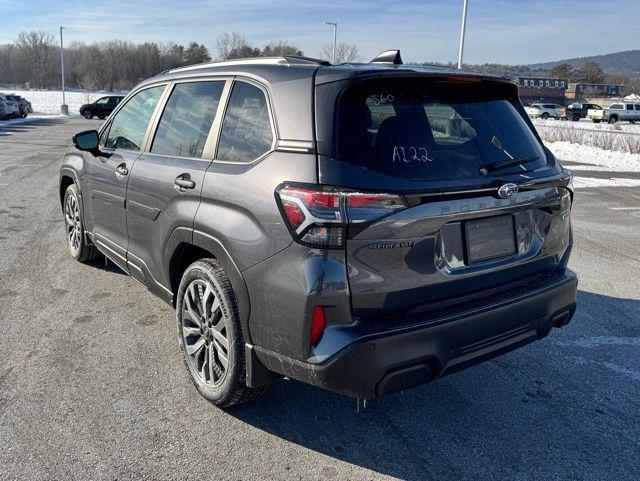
x,y
542,89
600,94
579,91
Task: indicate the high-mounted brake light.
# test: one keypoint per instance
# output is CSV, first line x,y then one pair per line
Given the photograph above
x,y
318,216
462,79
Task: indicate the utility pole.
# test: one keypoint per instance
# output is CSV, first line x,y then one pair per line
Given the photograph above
x,y
462,31
64,108
335,37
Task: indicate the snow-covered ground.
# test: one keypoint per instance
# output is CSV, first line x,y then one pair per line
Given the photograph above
x,y
49,101
596,159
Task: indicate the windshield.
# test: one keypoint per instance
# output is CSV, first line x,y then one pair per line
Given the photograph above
x,y
430,129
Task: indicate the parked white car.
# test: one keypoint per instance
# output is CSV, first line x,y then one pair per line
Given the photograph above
x,y
8,108
544,111
616,112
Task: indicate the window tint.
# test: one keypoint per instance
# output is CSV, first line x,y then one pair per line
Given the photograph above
x,y
430,130
637,106
246,129
187,118
629,107
130,123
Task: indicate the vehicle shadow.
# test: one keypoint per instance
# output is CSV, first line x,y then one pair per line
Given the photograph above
x,y
7,127
102,263
536,413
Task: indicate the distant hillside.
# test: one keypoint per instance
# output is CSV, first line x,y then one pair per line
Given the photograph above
x,y
627,62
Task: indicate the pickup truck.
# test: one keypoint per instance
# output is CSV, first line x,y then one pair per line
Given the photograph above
x,y
617,112
579,110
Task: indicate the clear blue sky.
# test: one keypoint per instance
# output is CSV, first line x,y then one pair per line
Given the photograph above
x,y
502,31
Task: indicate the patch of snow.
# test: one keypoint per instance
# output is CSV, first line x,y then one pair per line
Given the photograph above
x,y
613,161
586,182
49,101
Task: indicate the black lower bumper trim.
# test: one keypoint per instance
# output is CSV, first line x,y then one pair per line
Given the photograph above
x,y
388,362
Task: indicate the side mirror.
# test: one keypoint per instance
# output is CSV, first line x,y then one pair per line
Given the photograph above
x,y
87,141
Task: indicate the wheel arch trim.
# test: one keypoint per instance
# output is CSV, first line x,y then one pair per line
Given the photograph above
x,y
202,240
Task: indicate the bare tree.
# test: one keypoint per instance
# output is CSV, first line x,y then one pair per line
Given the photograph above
x,y
345,53
229,43
36,48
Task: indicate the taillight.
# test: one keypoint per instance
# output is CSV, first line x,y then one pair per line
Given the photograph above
x,y
318,216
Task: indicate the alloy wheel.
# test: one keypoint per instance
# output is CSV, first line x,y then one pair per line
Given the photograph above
x,y
73,222
204,333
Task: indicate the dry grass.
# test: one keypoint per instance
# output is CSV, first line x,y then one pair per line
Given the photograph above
x,y
614,139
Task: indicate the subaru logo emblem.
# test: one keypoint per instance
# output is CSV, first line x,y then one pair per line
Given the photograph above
x,y
508,190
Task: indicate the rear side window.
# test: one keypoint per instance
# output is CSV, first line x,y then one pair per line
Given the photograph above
x,y
187,119
246,129
130,123
429,129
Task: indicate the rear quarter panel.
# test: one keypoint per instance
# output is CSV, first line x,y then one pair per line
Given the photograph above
x,y
239,209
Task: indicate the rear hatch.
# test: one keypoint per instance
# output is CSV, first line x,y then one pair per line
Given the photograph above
x,y
485,208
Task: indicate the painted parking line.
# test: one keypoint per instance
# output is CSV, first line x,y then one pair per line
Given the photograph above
x,y
624,208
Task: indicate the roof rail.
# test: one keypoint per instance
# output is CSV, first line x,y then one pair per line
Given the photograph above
x,y
391,57
297,59
287,59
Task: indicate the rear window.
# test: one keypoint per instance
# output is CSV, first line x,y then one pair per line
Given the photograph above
x,y
433,130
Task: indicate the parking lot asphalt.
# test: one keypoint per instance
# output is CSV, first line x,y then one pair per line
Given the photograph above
x,y
92,386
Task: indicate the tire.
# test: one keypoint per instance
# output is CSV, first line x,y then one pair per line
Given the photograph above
x,y
217,371
101,117
575,117
544,116
596,121
74,227
87,115
613,119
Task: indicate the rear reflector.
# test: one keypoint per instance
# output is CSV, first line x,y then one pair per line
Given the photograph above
x,y
318,216
318,324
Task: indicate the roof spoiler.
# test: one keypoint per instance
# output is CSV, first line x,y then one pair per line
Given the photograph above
x,y
389,57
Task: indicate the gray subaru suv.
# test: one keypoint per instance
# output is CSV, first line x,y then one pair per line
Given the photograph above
x,y
364,228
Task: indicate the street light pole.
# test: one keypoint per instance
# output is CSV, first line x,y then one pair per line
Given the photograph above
x,y
462,32
335,37
64,109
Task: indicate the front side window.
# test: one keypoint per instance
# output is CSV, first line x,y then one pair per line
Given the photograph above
x,y
102,101
130,123
246,129
186,121
429,130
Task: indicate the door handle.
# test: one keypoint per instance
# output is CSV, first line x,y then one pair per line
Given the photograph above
x,y
122,170
183,181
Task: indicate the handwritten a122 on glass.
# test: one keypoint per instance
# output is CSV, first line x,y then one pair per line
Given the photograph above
x,y
408,154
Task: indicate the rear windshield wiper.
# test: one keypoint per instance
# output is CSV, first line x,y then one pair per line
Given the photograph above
x,y
493,166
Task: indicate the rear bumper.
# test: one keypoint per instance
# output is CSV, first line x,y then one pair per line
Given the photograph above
x,y
380,363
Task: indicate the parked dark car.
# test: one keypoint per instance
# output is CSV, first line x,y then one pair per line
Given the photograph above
x,y
577,111
102,107
364,228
